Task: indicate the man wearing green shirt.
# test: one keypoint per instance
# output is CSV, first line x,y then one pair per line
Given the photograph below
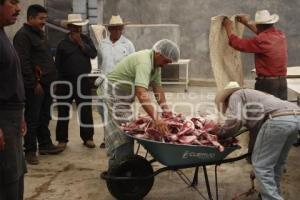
x,y
129,79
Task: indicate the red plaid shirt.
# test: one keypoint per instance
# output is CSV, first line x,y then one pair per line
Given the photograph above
x,y
270,50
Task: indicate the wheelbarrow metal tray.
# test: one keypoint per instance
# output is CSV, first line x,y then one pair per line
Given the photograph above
x,y
176,155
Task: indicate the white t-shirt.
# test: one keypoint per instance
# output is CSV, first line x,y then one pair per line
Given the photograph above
x,y
109,54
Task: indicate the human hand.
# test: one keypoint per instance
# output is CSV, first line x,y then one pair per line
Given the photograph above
x,y
38,72
167,114
76,38
2,143
161,126
242,19
227,23
38,90
23,127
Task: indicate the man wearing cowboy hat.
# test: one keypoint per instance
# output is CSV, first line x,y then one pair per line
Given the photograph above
x,y
113,49
73,58
277,123
270,49
38,72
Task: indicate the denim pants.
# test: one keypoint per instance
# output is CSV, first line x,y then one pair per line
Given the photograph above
x,y
270,153
12,162
37,116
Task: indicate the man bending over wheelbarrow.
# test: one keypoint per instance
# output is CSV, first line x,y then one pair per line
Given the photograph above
x,y
129,79
277,122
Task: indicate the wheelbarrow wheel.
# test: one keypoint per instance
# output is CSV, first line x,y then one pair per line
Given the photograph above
x,y
135,166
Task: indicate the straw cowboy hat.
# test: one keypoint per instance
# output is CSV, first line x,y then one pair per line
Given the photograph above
x,y
264,17
222,95
115,20
75,19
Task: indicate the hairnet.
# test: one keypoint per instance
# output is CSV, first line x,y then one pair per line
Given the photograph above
x,y
168,49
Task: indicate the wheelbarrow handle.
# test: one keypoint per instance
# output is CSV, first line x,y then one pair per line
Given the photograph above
x,y
229,160
242,130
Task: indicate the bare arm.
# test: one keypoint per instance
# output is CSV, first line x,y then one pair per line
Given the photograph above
x,y
143,96
227,24
243,20
160,97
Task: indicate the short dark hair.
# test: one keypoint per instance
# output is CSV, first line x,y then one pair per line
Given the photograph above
x,y
265,26
34,10
3,1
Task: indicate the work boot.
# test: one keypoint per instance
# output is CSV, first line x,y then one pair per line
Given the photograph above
x,y
89,144
62,145
102,145
31,158
50,150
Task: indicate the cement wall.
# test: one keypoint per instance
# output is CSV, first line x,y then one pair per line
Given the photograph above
x,y
193,16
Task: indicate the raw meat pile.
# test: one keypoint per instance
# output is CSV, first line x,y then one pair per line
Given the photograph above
x,y
195,131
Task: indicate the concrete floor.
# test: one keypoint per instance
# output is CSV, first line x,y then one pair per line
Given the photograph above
x,y
74,174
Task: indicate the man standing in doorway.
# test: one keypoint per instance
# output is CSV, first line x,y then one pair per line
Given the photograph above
x,y
39,72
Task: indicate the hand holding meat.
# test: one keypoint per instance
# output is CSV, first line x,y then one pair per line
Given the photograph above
x,y
167,114
161,126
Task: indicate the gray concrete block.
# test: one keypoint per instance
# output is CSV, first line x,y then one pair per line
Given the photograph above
x,y
145,35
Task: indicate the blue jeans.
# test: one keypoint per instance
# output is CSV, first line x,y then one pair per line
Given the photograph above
x,y
12,162
270,153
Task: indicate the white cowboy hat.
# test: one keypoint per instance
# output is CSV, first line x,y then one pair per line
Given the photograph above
x,y
264,17
222,95
75,19
115,20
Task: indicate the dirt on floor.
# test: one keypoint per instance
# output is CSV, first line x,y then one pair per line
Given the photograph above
x,y
75,173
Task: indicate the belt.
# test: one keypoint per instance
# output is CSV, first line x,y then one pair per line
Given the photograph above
x,y
270,77
287,113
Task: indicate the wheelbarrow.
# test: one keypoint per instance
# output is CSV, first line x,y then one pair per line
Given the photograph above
x,y
133,178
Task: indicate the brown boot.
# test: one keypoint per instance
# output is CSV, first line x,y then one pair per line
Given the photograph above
x,y
62,145
50,150
102,145
89,144
31,158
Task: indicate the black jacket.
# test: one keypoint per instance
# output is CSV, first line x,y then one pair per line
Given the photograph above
x,y
72,60
33,51
11,81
